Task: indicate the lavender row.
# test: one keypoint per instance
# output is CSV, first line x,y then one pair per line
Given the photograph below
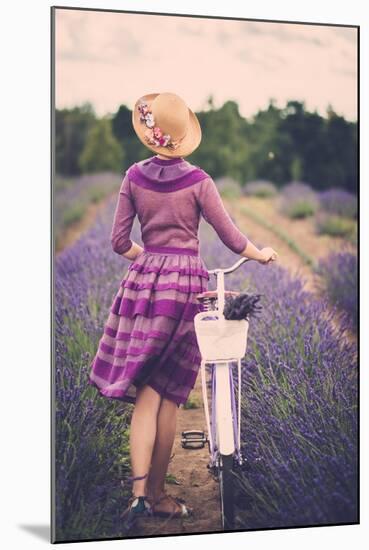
x,y
339,281
298,410
73,195
92,455
299,404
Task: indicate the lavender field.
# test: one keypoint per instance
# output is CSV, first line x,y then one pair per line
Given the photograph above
x,y
74,195
299,409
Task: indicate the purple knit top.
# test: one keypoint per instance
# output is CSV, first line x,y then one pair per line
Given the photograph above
x,y
168,197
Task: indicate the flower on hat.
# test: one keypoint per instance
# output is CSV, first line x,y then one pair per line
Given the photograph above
x,y
157,132
155,135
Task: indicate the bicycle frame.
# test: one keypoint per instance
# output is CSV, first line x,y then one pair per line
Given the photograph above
x,y
222,341
224,426
224,429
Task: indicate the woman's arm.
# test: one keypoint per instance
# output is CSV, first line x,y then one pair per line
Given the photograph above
x,y
133,252
214,212
124,216
252,252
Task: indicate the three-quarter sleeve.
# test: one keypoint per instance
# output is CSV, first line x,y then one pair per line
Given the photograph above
x,y
214,212
125,213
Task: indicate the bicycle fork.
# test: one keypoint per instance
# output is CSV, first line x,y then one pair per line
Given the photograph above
x,y
224,426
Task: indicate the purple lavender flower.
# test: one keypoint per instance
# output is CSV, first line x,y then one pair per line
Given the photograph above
x,y
299,396
260,188
339,201
299,402
339,280
298,200
90,430
73,195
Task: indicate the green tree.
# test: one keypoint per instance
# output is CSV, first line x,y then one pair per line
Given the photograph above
x,y
71,128
275,144
295,168
102,151
125,134
223,150
341,140
267,146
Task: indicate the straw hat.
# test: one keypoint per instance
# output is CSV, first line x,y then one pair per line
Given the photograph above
x,y
165,124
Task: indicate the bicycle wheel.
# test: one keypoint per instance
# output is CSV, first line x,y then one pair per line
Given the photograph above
x,y
226,487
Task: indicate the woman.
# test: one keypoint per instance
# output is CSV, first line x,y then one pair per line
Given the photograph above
x,y
148,354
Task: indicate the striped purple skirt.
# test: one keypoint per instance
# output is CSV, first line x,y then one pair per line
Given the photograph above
x,y
149,336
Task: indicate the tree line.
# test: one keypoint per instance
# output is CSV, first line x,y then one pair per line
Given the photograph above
x,y
276,144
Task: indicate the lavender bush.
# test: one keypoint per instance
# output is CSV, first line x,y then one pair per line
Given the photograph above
x,y
91,453
299,429
73,195
338,279
228,187
260,188
91,457
299,404
339,202
298,200
335,226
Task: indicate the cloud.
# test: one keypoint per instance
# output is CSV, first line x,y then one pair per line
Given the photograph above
x,y
124,42
223,37
81,38
351,73
348,33
284,32
189,29
111,58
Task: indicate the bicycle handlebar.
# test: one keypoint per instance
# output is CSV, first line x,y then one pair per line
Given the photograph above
x,y
229,269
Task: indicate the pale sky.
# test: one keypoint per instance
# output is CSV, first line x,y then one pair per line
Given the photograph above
x,y
112,58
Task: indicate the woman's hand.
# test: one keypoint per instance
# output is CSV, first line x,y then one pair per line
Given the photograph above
x,y
133,252
140,252
268,254
264,256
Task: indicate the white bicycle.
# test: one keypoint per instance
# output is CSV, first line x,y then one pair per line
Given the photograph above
x,y
221,343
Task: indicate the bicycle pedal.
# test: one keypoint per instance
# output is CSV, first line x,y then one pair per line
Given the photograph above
x,y
193,439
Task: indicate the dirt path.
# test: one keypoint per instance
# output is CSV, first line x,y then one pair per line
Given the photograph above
x,y
197,486
261,236
303,232
189,467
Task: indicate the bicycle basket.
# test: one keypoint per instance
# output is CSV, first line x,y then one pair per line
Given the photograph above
x,y
219,338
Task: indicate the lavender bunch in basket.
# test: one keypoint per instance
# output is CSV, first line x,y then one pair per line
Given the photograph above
x,y
242,306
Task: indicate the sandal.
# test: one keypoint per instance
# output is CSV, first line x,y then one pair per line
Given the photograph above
x,y
138,506
184,511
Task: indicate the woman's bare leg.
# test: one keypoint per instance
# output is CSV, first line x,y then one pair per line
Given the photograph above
x,y
165,434
142,434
